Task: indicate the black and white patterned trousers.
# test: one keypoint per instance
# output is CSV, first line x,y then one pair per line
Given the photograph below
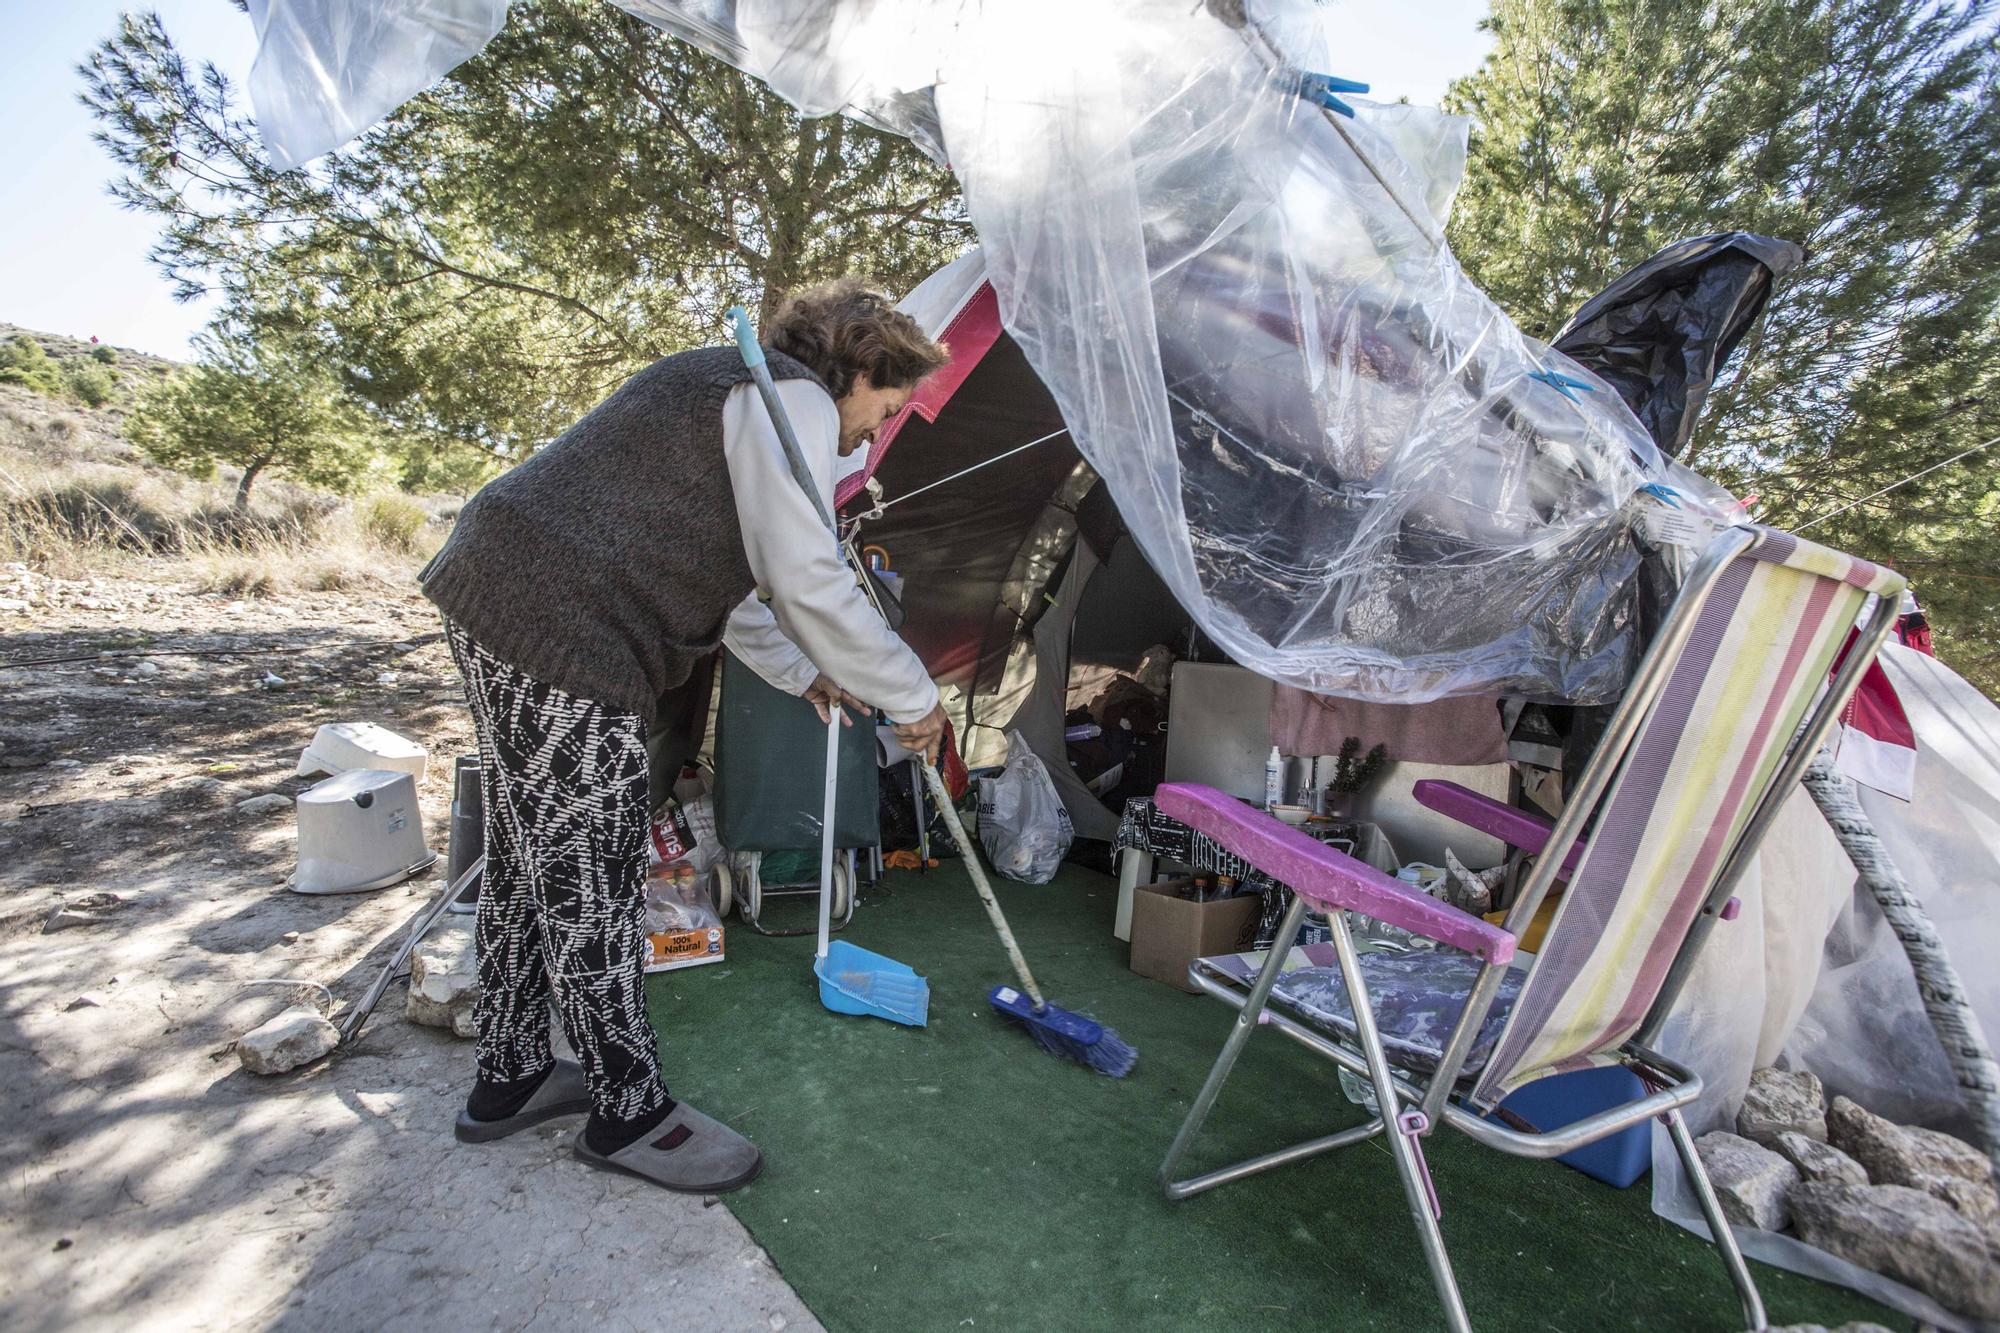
x,y
562,900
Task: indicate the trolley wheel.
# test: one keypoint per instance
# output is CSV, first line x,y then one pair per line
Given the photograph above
x,y
750,899
843,888
725,889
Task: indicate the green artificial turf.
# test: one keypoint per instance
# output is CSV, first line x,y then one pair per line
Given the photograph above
x,y
956,1176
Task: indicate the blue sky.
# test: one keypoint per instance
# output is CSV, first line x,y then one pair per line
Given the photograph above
x,y
73,262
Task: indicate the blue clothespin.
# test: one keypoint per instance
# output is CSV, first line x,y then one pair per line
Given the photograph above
x,y
1562,383
1666,495
1321,88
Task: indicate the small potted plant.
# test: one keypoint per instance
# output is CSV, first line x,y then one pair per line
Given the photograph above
x,y
1352,774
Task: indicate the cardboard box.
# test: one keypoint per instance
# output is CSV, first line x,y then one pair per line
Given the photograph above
x,y
1169,932
669,950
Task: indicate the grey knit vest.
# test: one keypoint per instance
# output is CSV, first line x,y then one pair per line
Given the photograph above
x,y
606,563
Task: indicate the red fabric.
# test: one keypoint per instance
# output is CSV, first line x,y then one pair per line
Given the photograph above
x,y
970,336
1875,710
1875,744
1917,636
952,768
1459,731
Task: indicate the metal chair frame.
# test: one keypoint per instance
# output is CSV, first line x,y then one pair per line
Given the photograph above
x,y
1429,1099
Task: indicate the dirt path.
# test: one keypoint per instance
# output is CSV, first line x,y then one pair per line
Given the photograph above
x,y
145,1178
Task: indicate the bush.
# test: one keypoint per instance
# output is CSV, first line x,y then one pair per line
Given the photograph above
x,y
224,527
90,384
23,362
104,354
99,511
390,519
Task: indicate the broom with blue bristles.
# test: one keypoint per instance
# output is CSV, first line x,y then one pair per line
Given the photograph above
x,y
1059,1031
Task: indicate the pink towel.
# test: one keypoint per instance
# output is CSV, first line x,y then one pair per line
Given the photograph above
x,y
1450,731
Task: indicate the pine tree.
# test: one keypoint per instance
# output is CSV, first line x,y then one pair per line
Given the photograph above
x,y
1868,131
256,405
584,196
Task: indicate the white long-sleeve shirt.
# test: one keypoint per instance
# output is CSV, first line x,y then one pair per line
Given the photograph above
x,y
808,614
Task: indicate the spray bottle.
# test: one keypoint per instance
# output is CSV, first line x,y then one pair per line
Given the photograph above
x,y
1274,779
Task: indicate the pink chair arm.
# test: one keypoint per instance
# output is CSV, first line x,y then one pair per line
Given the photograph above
x,y
1325,877
1516,828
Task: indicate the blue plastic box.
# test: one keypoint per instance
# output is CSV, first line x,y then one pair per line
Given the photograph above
x,y
1563,1099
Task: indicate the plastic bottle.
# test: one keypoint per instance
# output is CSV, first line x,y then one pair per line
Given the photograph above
x,y
1274,779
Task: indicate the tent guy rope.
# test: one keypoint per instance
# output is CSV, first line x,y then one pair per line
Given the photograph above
x,y
966,472
1964,453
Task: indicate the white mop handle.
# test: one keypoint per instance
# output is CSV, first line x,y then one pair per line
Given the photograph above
x,y
978,872
826,828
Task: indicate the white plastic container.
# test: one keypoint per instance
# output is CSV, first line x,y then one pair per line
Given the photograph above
x,y
358,831
338,747
1274,779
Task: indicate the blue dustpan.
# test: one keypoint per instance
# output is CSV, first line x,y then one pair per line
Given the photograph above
x,y
854,981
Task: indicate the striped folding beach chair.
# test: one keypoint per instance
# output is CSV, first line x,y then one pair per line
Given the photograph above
x,y
1728,706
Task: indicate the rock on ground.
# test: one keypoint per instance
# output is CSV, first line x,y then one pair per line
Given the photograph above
x,y
444,983
1779,1101
1907,1235
68,918
1752,1182
1819,1161
1976,1201
294,1037
1924,1159
270,803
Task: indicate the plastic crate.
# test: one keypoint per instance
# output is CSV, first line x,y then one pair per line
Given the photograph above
x,y
1563,1099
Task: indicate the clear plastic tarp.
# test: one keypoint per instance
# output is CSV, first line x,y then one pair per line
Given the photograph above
x,y
1346,462
327,70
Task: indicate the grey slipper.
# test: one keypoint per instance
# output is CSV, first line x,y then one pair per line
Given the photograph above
x,y
563,1092
688,1152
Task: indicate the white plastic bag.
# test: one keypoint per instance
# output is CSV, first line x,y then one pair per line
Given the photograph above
x,y
684,831
1022,822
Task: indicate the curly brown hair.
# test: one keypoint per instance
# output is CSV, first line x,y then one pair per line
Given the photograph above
x,y
844,328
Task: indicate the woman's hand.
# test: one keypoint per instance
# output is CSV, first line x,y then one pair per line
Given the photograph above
x,y
925,736
824,696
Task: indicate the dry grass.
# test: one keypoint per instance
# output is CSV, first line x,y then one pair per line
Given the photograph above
x,y
66,511
393,521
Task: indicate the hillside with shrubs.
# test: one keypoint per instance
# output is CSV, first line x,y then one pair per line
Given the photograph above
x,y
90,485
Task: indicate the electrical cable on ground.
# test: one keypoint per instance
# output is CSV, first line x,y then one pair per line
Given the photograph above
x,y
111,655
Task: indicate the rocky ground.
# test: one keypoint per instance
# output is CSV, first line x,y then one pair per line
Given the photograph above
x,y
1913,1204
149,1180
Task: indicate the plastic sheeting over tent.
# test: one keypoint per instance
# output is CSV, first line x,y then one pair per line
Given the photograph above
x,y
980,549
1348,465
997,542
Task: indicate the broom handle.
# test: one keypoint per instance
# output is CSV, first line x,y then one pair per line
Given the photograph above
x,y
826,828
942,798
